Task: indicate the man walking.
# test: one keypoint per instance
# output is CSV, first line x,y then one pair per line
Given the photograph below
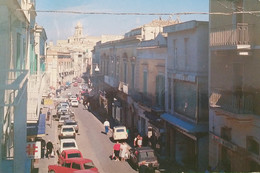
x,y
49,149
107,126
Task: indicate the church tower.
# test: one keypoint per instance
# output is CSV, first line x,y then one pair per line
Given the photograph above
x,y
78,32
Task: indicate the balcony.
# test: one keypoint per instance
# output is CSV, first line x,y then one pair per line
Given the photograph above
x,y
235,104
231,36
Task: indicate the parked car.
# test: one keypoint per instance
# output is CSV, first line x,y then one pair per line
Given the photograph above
x,y
71,165
63,105
72,123
72,98
63,118
143,156
120,133
74,103
69,154
62,110
66,144
67,132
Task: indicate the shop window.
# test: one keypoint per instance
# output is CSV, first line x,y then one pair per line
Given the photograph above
x,y
226,133
252,145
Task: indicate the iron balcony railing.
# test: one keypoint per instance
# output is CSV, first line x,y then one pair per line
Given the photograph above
x,y
238,102
231,35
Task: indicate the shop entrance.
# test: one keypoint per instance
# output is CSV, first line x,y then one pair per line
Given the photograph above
x,y
185,151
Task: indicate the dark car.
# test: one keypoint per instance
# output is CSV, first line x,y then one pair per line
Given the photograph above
x,y
143,156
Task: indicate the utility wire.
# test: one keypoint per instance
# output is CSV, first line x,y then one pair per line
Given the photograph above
x,y
141,14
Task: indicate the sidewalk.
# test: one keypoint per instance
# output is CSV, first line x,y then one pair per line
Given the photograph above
x,y
51,134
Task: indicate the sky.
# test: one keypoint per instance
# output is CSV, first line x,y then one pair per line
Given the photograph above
x,y
60,26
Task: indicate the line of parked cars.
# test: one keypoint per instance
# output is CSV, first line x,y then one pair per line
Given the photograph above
x,y
70,159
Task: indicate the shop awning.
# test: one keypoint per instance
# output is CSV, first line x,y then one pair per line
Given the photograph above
x,y
186,126
37,129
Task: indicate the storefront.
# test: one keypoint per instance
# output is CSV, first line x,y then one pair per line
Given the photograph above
x,y
186,143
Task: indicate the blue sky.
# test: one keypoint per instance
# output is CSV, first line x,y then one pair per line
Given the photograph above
x,y
60,26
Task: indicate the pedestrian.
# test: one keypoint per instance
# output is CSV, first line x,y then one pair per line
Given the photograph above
x,y
43,144
49,149
138,141
107,126
124,151
116,150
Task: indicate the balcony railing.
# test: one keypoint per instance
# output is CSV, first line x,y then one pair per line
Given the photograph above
x,y
237,102
230,35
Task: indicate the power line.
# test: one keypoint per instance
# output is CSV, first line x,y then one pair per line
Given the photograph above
x,y
141,14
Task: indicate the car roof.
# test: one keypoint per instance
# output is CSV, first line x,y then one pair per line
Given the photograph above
x,y
67,140
69,151
70,121
119,127
78,160
67,126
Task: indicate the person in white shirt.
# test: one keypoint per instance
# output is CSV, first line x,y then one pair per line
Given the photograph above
x,y
107,126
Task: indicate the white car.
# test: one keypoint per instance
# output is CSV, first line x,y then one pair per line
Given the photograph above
x,y
67,132
73,98
120,133
62,119
67,144
74,103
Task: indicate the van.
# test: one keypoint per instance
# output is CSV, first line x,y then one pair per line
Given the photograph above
x,y
120,133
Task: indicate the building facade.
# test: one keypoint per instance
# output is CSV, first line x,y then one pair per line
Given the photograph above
x,y
234,87
186,117
15,32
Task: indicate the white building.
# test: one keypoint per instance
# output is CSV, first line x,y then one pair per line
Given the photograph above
x,y
15,31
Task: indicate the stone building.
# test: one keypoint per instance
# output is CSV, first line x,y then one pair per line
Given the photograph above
x,y
186,88
234,87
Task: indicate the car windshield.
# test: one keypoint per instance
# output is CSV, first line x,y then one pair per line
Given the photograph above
x,y
89,165
70,123
74,155
64,118
67,130
146,155
120,130
69,144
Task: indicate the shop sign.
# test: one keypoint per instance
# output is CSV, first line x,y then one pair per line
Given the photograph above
x,y
33,150
224,142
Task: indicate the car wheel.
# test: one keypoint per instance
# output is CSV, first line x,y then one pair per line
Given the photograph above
x,y
51,171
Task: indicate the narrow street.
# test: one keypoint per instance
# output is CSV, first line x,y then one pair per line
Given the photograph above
x,y
91,140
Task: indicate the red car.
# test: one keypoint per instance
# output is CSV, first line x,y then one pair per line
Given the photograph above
x,y
69,154
72,165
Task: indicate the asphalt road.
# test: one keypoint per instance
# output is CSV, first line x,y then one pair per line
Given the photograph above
x,y
94,144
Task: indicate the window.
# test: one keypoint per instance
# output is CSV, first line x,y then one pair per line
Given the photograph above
x,y
18,51
145,82
125,72
186,51
160,85
252,145
226,133
170,94
174,53
75,166
133,76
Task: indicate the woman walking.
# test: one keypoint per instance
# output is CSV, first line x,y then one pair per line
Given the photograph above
x,y
116,150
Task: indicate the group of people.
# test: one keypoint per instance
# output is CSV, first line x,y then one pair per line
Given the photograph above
x,y
49,148
120,151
